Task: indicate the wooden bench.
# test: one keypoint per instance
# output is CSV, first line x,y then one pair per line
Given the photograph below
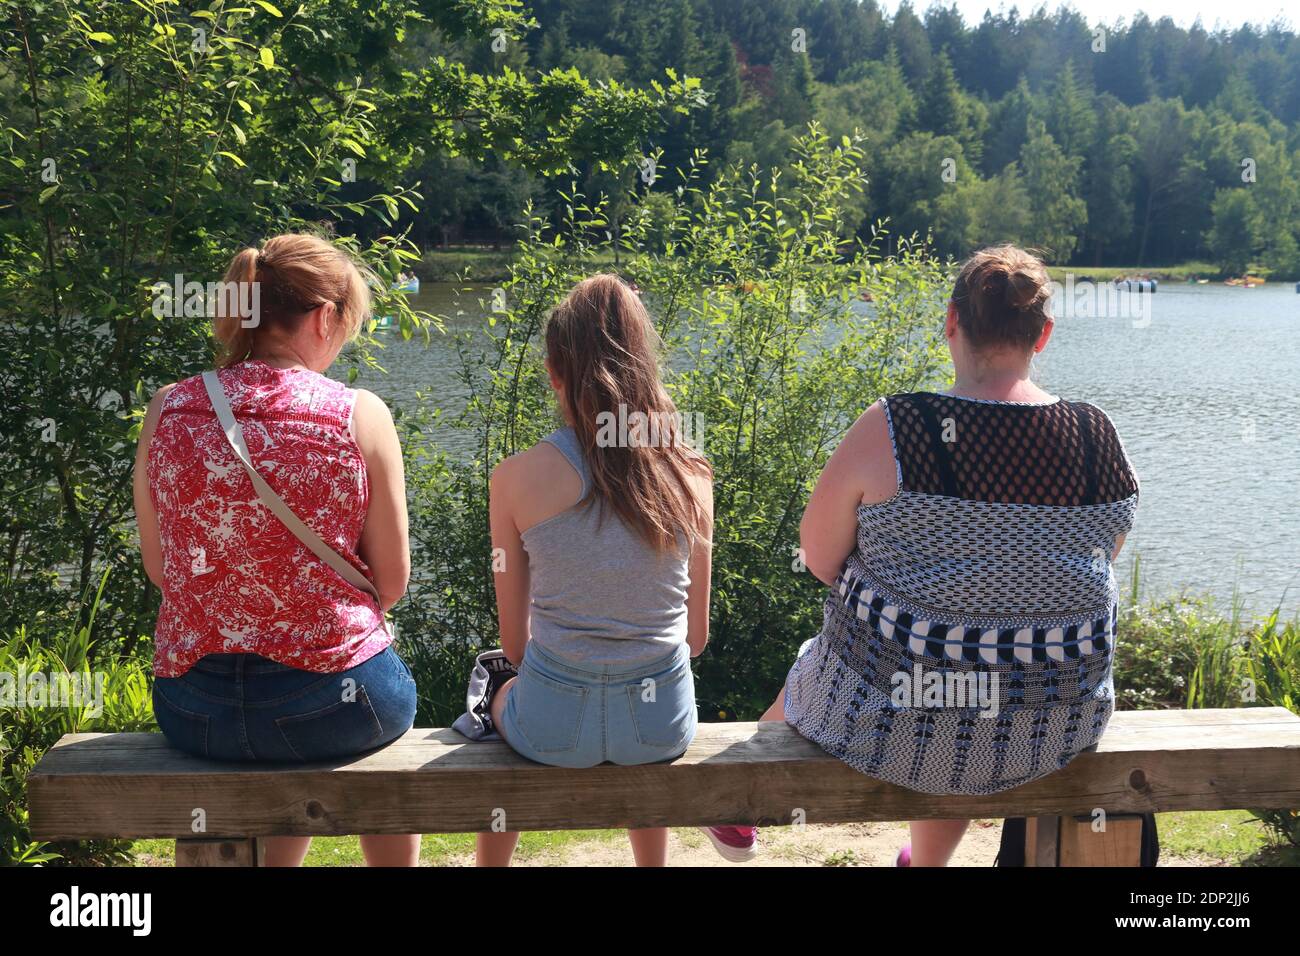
x,y
435,781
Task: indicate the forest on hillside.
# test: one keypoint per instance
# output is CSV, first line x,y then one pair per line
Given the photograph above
x,y
1136,143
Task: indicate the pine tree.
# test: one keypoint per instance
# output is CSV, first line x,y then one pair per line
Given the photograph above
x,y
1051,178
1070,117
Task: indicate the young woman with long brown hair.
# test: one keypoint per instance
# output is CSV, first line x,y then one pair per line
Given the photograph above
x,y
605,529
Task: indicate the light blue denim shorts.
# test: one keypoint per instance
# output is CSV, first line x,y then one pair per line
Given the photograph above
x,y
570,715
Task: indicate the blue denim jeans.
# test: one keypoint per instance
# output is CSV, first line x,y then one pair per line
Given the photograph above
x,y
247,707
571,715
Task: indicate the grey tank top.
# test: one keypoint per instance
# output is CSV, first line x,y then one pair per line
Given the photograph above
x,y
600,594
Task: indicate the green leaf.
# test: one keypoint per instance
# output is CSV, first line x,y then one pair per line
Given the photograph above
x,y
231,156
270,8
268,58
47,193
100,37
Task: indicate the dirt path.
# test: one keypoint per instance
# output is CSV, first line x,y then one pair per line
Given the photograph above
x,y
856,844
851,844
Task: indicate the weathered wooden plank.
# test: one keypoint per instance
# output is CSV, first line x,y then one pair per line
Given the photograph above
x,y
1182,729
1119,844
434,781
230,852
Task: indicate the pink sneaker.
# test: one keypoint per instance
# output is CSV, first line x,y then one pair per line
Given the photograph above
x,y
735,844
904,857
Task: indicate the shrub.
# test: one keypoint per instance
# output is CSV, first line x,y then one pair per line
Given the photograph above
x,y
1182,652
1271,663
27,732
753,293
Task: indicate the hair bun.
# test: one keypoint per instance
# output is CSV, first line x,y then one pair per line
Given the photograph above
x,y
1001,296
1022,290
993,285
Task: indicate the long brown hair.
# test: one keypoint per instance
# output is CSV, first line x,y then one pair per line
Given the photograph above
x,y
294,274
601,344
1003,296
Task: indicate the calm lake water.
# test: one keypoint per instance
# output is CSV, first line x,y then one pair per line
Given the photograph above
x,y
1206,396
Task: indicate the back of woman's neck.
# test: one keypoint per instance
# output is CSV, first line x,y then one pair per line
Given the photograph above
x,y
278,361
1009,386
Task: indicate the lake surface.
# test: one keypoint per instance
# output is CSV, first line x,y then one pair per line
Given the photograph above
x,y
1205,392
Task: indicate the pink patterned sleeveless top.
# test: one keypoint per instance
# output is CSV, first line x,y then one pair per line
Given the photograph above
x,y
235,579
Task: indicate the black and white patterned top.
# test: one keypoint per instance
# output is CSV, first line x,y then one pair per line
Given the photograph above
x,y
966,647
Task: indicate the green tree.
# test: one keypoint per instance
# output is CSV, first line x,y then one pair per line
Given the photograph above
x,y
1070,117
907,35
1236,234
1008,127
792,100
945,111
985,212
1276,194
1056,213
940,105
140,143
1167,168
913,178
1108,181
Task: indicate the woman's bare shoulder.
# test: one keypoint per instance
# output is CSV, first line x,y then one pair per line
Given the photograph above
x,y
540,474
154,409
872,454
535,484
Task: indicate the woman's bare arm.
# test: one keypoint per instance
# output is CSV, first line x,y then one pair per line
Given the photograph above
x,y
509,559
701,571
385,542
146,517
860,470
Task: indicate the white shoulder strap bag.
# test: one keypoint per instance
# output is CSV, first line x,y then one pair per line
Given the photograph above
x,y
313,542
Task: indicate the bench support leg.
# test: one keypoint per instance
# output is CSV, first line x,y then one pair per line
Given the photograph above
x,y
1120,844
1041,835
1072,841
228,852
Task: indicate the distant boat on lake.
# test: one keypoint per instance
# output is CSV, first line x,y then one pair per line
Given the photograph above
x,y
1247,281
